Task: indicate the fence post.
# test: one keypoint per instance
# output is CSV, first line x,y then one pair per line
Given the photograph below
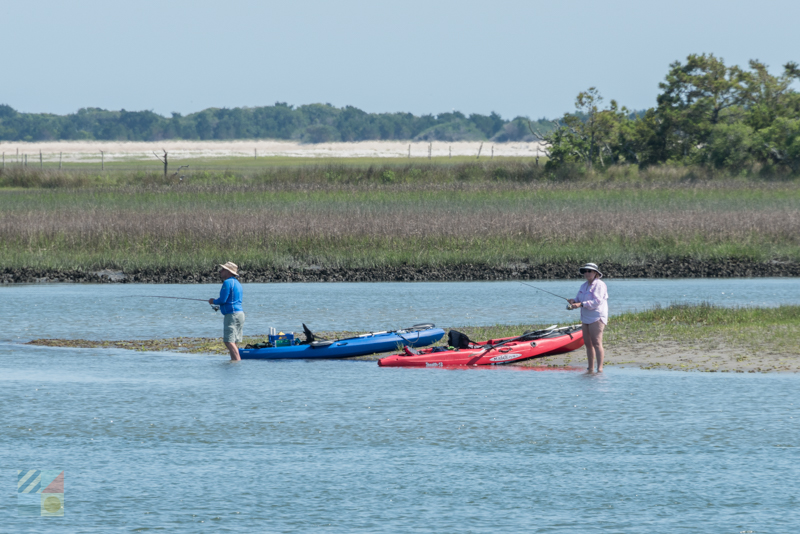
x,y
102,161
59,161
41,165
164,159
255,153
409,151
4,160
430,150
26,160
479,150
451,151
492,152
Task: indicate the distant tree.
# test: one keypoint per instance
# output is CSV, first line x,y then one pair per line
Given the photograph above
x,y
489,125
457,130
695,96
592,134
7,112
768,97
320,133
522,129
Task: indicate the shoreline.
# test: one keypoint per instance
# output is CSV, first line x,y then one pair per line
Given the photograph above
x,y
665,355
671,268
680,356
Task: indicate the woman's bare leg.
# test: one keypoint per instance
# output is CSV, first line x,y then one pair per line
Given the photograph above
x,y
596,337
587,342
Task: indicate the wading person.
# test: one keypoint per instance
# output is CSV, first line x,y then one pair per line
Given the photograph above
x,y
592,299
230,304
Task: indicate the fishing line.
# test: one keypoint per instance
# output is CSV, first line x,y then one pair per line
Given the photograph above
x,y
569,305
214,306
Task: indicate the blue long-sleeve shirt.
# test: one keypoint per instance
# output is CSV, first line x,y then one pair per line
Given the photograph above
x,y
230,297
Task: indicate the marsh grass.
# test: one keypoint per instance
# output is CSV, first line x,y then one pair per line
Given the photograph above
x,y
753,329
747,329
377,171
305,217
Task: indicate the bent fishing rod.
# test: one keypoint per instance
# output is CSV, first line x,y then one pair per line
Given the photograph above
x,y
214,306
569,304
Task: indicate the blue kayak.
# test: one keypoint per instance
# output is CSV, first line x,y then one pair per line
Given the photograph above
x,y
372,343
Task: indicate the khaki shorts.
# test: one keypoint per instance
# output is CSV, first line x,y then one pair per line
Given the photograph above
x,y
232,328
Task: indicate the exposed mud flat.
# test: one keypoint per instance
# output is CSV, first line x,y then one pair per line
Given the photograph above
x,y
676,355
678,268
193,345
716,356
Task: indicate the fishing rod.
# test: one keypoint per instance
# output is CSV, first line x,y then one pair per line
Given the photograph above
x,y
569,304
214,306
527,336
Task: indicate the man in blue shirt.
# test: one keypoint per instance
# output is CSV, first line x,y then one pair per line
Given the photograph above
x,y
230,304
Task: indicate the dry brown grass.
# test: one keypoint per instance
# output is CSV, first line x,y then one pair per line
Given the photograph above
x,y
260,227
369,223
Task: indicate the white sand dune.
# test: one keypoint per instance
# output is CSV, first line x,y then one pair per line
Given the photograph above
x,y
90,151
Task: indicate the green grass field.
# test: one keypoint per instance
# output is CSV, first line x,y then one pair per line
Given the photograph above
x,y
249,165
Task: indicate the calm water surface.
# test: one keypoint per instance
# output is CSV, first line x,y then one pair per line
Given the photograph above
x,y
178,443
106,311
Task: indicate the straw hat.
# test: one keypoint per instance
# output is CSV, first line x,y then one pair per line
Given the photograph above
x,y
231,268
591,267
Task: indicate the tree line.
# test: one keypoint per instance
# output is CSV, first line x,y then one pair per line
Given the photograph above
x,y
707,114
312,123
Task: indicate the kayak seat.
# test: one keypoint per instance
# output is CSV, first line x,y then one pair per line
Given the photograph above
x,y
459,340
313,340
310,337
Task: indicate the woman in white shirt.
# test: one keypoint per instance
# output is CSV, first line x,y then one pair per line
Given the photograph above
x,y
592,299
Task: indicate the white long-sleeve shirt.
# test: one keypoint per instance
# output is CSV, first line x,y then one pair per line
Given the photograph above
x,y
594,298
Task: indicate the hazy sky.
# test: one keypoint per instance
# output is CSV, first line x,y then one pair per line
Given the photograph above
x,y
514,57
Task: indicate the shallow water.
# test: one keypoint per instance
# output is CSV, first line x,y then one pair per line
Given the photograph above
x,y
191,444
181,443
104,311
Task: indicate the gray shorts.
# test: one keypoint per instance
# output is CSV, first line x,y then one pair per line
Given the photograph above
x,y
232,328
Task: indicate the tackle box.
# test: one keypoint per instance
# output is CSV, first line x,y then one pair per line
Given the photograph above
x,y
282,340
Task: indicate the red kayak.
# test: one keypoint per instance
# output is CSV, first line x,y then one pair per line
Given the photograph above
x,y
538,344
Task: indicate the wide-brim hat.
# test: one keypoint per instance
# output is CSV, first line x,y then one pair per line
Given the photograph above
x,y
591,267
230,267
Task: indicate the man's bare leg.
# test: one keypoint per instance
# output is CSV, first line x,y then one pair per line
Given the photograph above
x,y
234,351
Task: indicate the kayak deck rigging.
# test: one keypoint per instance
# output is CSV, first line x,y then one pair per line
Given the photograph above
x,y
370,343
465,352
